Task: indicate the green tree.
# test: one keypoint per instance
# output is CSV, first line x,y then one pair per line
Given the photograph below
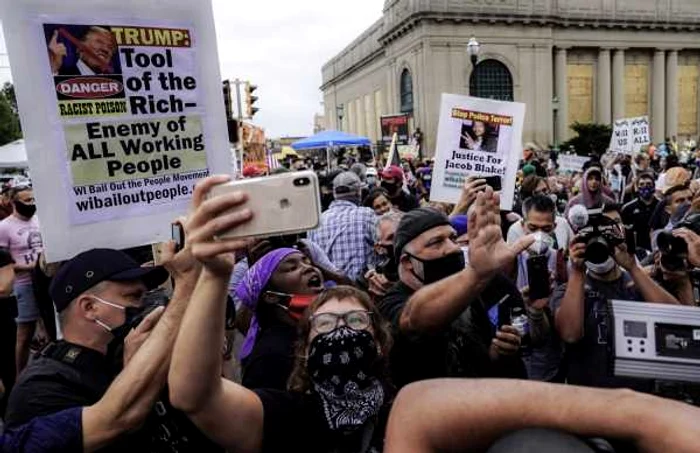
x,y
8,90
591,139
9,120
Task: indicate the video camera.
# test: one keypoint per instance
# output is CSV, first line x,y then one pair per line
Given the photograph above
x,y
674,250
601,234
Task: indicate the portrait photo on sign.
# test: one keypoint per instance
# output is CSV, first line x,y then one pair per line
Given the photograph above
x,y
479,136
81,50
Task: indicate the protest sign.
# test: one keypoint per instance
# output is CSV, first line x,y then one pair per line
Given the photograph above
x,y
571,163
477,137
630,135
121,116
394,124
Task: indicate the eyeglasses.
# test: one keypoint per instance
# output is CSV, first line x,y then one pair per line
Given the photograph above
x,y
356,320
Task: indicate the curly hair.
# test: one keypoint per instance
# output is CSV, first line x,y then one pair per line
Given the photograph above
x,y
299,380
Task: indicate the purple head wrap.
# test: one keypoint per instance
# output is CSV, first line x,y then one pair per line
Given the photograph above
x,y
251,288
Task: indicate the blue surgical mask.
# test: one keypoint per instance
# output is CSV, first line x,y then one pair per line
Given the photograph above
x,y
646,193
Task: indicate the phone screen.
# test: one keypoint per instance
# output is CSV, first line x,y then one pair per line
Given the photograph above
x,y
538,277
177,234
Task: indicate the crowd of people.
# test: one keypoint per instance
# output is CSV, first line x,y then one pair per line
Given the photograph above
x,y
344,336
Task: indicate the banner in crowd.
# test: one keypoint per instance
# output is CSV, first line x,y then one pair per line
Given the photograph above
x,y
121,116
395,124
630,135
571,163
477,137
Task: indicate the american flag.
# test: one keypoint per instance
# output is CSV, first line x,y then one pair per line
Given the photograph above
x,y
272,163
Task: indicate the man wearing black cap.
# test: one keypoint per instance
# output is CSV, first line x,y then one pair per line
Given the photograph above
x,y
98,295
436,289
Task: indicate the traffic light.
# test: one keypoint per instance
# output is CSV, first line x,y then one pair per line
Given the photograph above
x,y
227,99
250,100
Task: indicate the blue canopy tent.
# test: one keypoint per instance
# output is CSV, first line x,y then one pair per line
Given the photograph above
x,y
329,140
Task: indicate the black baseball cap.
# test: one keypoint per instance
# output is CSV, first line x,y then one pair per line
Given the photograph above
x,y
89,268
413,224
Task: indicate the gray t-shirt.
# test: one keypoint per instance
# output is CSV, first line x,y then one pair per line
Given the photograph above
x,y
589,360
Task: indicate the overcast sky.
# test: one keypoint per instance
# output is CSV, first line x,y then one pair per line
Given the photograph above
x,y
280,45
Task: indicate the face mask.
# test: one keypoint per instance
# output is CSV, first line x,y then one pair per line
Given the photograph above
x,y
25,210
553,197
341,365
298,303
646,193
602,268
440,268
130,314
543,243
390,187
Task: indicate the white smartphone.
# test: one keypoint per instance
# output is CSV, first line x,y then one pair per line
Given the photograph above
x,y
287,203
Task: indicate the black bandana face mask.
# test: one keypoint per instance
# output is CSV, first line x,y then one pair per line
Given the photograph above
x,y
341,364
25,210
440,268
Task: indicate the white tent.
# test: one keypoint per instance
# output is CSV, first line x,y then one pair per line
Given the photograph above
x,y
13,155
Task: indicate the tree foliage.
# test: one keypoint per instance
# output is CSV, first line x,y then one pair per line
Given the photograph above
x,y
591,139
9,119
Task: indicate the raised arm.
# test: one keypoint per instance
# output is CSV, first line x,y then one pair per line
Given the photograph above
x,y
147,353
651,291
435,306
470,415
226,412
568,318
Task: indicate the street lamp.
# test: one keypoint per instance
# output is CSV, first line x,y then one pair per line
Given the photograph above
x,y
473,48
340,111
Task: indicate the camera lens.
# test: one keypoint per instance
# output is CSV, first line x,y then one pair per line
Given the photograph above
x,y
597,250
300,182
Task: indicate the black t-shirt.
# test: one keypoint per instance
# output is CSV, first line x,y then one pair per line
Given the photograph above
x,y
294,422
405,202
65,375
413,357
638,214
270,362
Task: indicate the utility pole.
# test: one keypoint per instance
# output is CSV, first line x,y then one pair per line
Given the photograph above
x,y
239,105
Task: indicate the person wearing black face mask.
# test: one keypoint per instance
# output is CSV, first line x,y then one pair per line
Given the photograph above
x,y
636,214
436,289
392,182
19,234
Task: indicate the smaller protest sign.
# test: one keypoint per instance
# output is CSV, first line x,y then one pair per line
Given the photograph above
x,y
395,124
477,137
571,163
630,135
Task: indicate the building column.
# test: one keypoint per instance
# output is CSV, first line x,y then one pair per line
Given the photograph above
x,y
562,93
604,87
658,97
672,93
618,84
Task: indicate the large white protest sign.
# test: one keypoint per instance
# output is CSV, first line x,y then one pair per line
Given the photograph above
x,y
571,162
477,137
630,135
122,113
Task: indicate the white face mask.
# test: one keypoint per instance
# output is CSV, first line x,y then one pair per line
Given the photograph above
x,y
602,268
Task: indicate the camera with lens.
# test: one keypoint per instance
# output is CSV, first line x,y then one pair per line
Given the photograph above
x,y
674,250
601,235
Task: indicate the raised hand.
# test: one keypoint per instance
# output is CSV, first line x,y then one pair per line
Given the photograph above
x,y
57,52
488,252
472,186
210,219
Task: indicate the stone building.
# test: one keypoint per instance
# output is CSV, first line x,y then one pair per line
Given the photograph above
x,y
567,60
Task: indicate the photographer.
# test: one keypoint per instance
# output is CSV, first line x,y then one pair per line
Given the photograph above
x,y
580,306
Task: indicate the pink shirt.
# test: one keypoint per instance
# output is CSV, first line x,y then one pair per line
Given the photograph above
x,y
23,239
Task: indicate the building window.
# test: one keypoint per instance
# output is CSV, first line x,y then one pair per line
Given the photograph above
x,y
491,79
406,92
